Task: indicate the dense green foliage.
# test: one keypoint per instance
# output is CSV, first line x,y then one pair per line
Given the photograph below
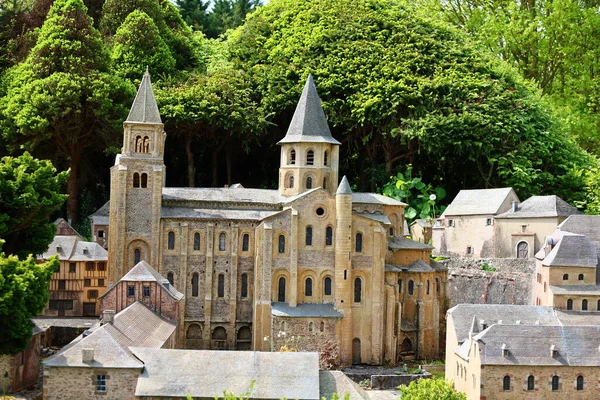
x,y
137,45
30,193
23,294
223,15
430,389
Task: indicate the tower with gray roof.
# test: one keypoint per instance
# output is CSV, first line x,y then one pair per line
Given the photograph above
x,y
309,154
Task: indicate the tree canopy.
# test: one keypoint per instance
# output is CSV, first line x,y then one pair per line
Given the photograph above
x,y
23,295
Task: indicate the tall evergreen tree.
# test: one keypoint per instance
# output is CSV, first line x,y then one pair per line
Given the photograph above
x,y
194,13
137,45
63,100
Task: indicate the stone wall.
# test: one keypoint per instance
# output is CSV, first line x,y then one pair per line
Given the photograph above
x,y
510,283
80,383
298,333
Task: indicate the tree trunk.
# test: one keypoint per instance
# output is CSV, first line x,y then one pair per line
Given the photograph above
x,y
73,185
215,168
228,161
191,168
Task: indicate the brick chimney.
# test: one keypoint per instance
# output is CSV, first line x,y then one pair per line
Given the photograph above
x,y
108,317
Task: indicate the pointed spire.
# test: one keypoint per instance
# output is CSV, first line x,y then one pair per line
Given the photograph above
x,y
144,108
344,187
309,123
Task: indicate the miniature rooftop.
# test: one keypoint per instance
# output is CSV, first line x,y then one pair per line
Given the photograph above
x,y
144,108
588,225
572,251
143,272
479,201
533,345
72,248
263,375
136,325
302,310
541,207
309,124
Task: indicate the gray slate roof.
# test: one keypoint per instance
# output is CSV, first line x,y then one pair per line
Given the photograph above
x,y
463,314
375,217
215,214
572,251
588,225
344,187
542,207
424,222
582,290
417,266
531,345
302,310
478,202
404,243
374,198
144,108
207,373
100,217
143,272
71,248
309,123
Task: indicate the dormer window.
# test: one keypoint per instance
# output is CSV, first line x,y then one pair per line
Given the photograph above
x,y
505,351
553,351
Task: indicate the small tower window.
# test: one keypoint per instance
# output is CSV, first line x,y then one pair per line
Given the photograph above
x,y
170,278
171,240
136,180
531,382
139,144
281,290
245,242
324,183
437,285
506,383
327,285
569,304
281,244
146,145
291,182
195,285
411,287
400,283
244,293
311,326
137,256
329,236
221,286
565,277
580,277
222,239
325,156
322,326
310,157
427,286
357,290
292,158
580,382
555,383
144,180
584,305
308,287
308,237
359,242
196,241
309,182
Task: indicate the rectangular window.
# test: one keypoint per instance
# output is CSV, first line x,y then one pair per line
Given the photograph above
x,y
102,266
100,282
130,291
450,222
62,284
523,228
469,250
87,282
89,266
57,270
72,267
146,291
488,222
101,383
100,234
92,294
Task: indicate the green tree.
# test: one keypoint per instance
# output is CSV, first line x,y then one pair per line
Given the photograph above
x,y
137,45
404,88
228,14
63,100
430,389
30,190
194,13
23,294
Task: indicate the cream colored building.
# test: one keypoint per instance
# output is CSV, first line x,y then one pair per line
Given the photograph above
x,y
310,258
520,352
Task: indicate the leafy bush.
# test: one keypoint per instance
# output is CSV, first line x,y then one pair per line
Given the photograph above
x,y
486,267
430,389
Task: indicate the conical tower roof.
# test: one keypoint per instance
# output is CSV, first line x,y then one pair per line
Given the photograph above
x,y
309,123
344,187
144,108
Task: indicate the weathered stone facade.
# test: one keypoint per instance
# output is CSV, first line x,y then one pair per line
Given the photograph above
x,y
79,383
234,252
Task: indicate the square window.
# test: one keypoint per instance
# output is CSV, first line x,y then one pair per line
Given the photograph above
x,y
62,284
146,291
101,383
100,234
87,282
92,294
450,222
100,282
102,266
488,222
89,266
72,267
130,291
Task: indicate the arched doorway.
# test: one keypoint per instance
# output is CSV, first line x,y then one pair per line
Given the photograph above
x,y
219,338
194,337
406,347
244,339
356,351
522,250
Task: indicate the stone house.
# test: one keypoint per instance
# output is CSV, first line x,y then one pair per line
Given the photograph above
x,y
308,257
567,275
82,275
491,223
421,230
21,370
520,352
99,223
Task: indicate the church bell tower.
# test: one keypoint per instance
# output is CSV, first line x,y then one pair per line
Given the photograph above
x,y
136,182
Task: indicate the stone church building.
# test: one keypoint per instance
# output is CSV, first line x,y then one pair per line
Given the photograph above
x,y
256,266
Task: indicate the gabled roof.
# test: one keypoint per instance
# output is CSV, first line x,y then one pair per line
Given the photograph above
x,y
572,251
532,344
374,198
417,266
100,217
208,373
462,316
309,124
404,243
71,248
314,310
143,272
423,222
541,207
479,202
588,225
215,214
144,108
379,217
